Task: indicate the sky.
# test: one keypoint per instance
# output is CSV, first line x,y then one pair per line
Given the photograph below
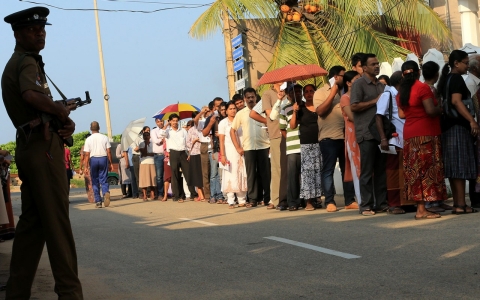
x,y
150,60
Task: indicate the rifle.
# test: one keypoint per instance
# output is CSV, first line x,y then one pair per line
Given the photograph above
x,y
47,119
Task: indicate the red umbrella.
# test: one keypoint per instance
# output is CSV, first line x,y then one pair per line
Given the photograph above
x,y
292,73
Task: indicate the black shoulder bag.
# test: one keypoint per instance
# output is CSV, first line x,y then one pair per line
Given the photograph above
x,y
449,109
388,126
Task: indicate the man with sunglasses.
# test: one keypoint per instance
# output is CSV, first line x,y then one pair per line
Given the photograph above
x,y
331,136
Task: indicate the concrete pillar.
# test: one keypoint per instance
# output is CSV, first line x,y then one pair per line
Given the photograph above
x,y
469,21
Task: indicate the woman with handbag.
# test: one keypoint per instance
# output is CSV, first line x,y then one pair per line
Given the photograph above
x,y
387,109
458,129
422,155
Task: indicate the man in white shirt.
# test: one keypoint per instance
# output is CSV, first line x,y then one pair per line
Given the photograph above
x,y
157,136
255,146
97,157
176,149
473,79
473,84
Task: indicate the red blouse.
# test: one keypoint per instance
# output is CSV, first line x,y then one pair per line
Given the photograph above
x,y
417,122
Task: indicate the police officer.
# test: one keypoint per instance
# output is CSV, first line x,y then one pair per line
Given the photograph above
x,y
40,159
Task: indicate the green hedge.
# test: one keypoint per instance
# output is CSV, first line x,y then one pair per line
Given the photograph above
x,y
78,142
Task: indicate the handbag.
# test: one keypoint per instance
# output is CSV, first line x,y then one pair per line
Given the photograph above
x,y
449,109
388,126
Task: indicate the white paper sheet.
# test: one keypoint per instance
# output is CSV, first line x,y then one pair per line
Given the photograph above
x,y
391,150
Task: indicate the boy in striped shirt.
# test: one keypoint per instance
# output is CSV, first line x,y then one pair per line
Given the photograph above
x,y
294,93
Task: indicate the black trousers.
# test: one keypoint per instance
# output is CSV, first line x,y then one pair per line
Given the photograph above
x,y
178,159
44,219
293,180
373,176
257,164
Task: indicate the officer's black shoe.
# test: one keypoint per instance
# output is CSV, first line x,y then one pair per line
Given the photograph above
x,y
98,205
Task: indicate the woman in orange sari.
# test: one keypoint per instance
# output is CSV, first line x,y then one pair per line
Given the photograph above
x,y
352,151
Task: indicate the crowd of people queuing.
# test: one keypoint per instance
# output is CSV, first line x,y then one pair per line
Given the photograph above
x,y
280,150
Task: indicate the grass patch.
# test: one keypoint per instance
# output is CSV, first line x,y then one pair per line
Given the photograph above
x,y
77,183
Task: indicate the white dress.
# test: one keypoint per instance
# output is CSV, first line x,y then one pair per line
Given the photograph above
x,y
234,177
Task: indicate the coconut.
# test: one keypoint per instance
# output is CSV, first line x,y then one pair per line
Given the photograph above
x,y
285,8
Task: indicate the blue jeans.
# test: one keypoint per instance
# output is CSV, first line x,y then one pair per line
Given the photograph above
x,y
158,160
99,173
331,150
215,187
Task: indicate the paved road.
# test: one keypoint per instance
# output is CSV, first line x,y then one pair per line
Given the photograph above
x,y
155,250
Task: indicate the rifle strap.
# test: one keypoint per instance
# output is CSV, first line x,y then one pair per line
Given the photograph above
x,y
55,86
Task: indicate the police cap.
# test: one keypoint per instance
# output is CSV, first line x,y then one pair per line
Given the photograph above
x,y
27,17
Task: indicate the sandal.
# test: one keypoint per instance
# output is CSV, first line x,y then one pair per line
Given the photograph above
x,y
250,205
310,207
271,206
446,206
428,216
464,210
367,212
180,200
395,210
219,201
435,209
382,210
292,208
231,206
242,205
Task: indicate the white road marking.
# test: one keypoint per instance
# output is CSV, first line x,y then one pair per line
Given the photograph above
x,y
197,221
312,247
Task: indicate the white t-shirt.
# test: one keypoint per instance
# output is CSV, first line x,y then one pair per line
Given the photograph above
x,y
97,144
383,104
147,160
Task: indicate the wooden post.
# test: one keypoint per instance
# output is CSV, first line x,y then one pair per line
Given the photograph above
x,y
102,71
228,53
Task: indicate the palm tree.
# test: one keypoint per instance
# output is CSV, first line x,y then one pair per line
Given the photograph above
x,y
336,29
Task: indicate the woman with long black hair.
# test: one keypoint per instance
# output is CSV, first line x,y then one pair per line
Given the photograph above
x,y
422,155
304,114
458,133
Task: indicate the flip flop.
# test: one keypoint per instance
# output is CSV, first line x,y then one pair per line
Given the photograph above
x,y
428,216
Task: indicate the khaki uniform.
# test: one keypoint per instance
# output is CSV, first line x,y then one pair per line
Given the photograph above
x,y
44,190
278,153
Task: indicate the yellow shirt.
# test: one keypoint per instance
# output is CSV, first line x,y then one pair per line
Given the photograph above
x,y
331,126
254,137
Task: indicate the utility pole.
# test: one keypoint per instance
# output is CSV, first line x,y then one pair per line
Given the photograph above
x,y
227,37
106,97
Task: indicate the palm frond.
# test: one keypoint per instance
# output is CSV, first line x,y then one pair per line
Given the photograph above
x,y
211,20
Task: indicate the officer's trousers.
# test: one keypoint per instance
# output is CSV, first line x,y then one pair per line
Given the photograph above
x,y
44,219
